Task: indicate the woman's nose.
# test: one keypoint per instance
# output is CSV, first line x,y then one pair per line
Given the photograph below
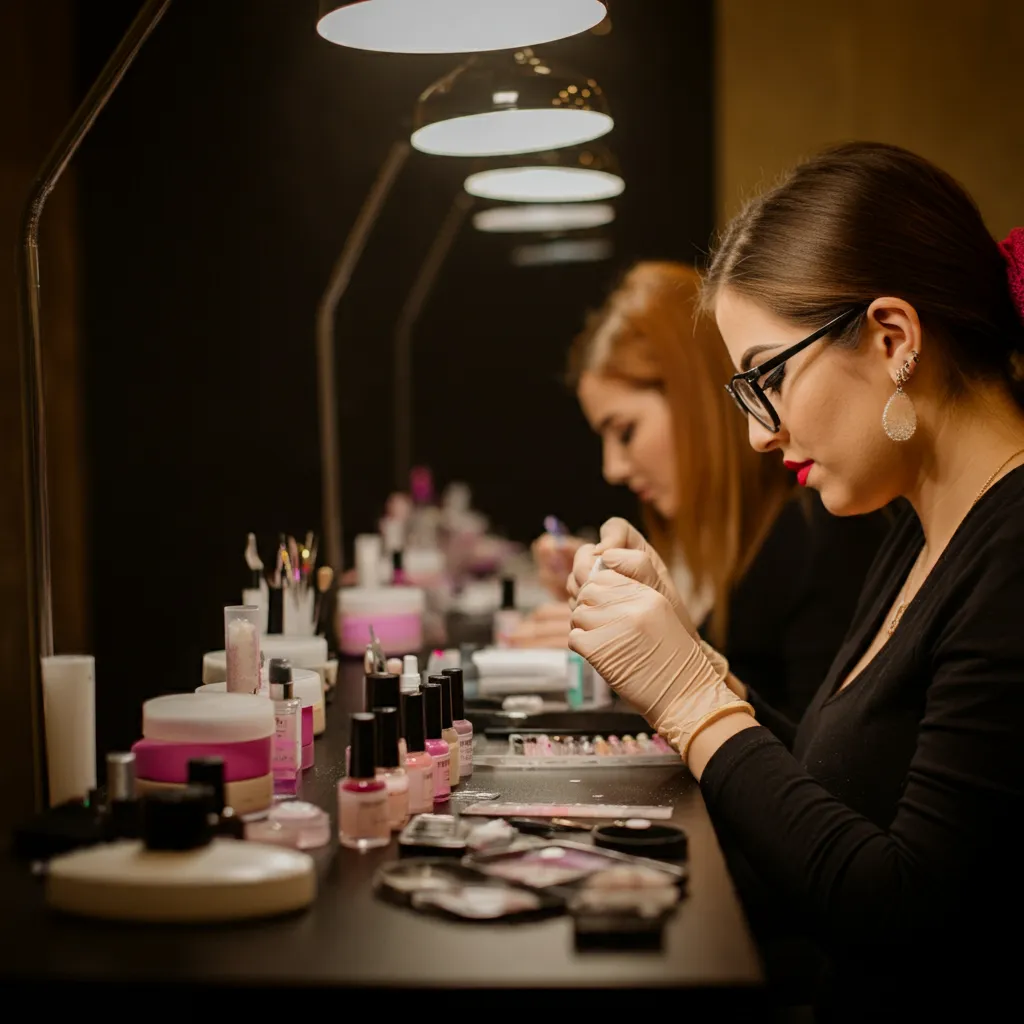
x,y
761,438
616,465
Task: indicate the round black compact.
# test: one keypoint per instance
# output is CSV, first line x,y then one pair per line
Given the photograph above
x,y
642,839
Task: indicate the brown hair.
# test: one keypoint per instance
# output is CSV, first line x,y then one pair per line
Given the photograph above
x,y
865,220
650,334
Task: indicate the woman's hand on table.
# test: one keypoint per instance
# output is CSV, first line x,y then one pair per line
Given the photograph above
x,y
553,557
633,637
547,626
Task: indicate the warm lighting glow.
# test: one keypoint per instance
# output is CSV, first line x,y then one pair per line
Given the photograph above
x,y
544,184
507,132
455,26
571,217
562,250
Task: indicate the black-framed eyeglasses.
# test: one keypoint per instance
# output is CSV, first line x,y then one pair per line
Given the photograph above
x,y
746,389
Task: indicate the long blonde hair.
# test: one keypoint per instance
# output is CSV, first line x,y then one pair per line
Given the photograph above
x,y
650,334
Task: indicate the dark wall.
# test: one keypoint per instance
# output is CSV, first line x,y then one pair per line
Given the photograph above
x,y
215,193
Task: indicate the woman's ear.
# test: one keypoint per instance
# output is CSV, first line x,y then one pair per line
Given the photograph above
x,y
894,334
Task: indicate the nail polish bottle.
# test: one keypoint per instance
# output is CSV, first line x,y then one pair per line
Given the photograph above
x,y
460,723
390,768
287,759
419,765
209,771
506,619
448,733
410,681
363,798
435,745
380,690
601,746
383,690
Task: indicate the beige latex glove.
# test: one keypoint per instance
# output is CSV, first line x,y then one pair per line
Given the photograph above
x,y
635,559
632,636
547,626
617,534
553,557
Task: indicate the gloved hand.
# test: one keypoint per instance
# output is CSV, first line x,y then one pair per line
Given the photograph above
x,y
619,535
546,626
632,636
554,557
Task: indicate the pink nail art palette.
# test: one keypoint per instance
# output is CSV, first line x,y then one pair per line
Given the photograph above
x,y
541,750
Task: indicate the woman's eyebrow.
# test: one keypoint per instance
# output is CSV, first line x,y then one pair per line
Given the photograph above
x,y
751,353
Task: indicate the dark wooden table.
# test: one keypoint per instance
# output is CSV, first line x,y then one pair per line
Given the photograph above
x,y
351,938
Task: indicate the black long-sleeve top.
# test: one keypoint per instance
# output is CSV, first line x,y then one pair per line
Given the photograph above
x,y
789,613
888,831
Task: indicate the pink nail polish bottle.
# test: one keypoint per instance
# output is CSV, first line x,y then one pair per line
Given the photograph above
x,y
390,768
460,723
436,746
419,765
448,733
287,730
363,798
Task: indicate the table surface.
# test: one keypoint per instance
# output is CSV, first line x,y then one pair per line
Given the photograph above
x,y
351,937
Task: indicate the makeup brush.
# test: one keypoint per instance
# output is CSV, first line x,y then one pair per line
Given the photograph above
x,y
253,561
324,578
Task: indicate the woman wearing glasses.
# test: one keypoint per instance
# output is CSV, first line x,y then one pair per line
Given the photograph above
x,y
770,580
877,330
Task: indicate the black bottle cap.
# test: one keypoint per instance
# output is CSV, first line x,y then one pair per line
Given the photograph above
x,y
280,671
382,691
396,560
445,683
458,692
432,708
282,691
363,755
415,724
387,737
177,819
209,771
508,593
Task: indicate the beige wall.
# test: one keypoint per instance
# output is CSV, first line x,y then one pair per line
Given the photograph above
x,y
36,99
941,77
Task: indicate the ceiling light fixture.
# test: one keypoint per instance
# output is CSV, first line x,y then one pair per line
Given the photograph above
x,y
573,175
454,26
507,104
544,217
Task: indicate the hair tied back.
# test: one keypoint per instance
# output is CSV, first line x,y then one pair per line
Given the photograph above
x,y
1012,248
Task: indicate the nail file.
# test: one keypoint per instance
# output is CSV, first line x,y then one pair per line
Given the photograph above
x,y
597,567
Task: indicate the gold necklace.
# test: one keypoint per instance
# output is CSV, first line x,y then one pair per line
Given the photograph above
x,y
904,600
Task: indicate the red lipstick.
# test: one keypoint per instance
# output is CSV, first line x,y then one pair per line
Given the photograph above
x,y
802,470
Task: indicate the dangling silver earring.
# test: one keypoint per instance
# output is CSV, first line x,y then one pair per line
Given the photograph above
x,y
899,419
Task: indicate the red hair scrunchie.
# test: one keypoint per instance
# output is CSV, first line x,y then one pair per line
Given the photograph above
x,y
1012,248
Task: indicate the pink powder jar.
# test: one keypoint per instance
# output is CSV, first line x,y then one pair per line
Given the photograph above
x,y
395,613
236,727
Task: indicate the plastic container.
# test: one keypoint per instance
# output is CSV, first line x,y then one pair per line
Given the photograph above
x,y
236,727
242,644
304,652
395,613
309,689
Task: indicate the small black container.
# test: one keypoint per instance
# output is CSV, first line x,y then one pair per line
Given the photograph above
x,y
661,842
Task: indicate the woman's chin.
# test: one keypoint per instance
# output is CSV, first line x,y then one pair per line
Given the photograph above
x,y
664,507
